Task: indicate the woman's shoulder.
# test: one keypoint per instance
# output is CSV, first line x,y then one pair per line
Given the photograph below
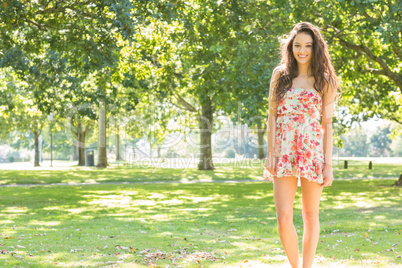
x,y
279,69
277,72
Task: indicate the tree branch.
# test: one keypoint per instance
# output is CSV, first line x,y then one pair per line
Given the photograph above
x,y
59,9
72,129
373,71
391,14
397,51
178,106
186,106
63,9
362,48
393,118
88,128
39,26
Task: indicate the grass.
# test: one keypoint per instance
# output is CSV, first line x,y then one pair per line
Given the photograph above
x,y
250,169
191,225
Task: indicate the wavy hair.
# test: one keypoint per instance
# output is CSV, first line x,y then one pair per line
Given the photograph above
x,y
321,66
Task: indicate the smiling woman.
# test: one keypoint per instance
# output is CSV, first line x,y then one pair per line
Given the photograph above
x,y
303,90
302,47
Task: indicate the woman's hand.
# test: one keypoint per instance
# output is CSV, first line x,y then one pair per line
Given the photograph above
x,y
328,176
270,163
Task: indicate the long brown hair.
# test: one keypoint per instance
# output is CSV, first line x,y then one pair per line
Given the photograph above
x,y
320,65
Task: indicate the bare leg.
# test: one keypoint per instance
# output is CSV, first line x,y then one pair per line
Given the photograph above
x,y
284,195
311,195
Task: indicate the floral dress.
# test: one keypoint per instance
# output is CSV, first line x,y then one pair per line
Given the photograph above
x,y
299,136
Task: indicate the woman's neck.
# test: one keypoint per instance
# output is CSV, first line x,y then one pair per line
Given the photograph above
x,y
304,70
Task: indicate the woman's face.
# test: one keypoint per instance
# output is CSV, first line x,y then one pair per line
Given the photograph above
x,y
303,48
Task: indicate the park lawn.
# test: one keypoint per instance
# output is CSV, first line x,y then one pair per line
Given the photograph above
x,y
208,224
251,170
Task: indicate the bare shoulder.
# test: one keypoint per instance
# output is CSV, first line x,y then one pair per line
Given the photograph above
x,y
276,73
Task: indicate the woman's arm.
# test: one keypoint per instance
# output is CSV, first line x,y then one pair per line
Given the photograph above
x,y
327,113
272,113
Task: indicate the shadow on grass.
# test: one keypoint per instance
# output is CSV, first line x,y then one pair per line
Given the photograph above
x,y
191,225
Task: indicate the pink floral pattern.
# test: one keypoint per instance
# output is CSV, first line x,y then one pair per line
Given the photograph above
x,y
299,136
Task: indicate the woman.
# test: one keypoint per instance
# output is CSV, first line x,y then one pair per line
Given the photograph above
x,y
303,91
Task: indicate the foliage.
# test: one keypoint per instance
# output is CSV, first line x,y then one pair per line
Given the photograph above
x,y
380,143
364,38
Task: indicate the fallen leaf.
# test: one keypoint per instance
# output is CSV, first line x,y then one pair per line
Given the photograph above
x,y
366,234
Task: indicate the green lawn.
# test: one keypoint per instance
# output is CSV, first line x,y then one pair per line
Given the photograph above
x,y
234,171
189,225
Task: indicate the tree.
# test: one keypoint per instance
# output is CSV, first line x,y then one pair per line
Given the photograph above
x,y
356,143
253,59
85,31
396,137
380,143
365,38
21,114
27,117
203,35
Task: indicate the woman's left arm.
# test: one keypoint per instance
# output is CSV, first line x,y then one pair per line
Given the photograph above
x,y
328,106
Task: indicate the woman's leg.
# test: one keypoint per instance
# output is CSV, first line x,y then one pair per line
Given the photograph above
x,y
284,195
311,195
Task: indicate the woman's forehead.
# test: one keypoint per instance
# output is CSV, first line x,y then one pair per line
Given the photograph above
x,y
303,38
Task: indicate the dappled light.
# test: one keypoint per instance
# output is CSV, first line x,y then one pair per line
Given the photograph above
x,y
147,133
227,172
98,224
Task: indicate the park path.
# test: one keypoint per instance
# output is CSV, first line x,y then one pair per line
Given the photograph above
x,y
120,182
160,182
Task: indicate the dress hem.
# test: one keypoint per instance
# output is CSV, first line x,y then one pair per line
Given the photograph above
x,y
270,177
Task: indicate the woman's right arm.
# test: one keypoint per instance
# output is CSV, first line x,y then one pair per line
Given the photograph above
x,y
272,114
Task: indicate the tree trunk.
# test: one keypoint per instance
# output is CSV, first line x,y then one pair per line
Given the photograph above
x,y
205,123
261,132
81,153
399,181
118,156
75,152
102,156
242,147
246,142
81,135
36,158
81,140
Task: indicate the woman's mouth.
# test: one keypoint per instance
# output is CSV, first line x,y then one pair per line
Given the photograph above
x,y
305,56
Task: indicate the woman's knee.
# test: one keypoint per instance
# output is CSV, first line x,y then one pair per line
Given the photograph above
x,y
310,217
284,218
